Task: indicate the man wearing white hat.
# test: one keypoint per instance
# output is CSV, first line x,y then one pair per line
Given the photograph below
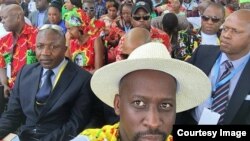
x,y
146,90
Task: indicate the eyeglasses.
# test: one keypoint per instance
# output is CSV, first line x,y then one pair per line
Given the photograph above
x,y
213,19
52,26
144,17
90,9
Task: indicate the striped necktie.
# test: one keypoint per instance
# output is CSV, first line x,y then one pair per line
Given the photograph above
x,y
220,95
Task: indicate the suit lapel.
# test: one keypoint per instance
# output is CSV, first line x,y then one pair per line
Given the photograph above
x,y
240,92
212,53
36,76
63,82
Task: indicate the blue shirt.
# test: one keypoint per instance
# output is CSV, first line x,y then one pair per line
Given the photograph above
x,y
40,18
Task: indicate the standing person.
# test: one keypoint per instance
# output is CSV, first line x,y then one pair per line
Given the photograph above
x,y
233,56
40,16
146,90
16,48
52,99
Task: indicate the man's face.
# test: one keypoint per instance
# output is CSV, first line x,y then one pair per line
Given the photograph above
x,y
235,36
41,4
146,105
141,19
211,21
54,16
10,20
126,13
50,48
89,8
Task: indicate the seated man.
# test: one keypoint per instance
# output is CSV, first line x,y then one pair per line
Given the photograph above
x,y
52,99
146,90
134,38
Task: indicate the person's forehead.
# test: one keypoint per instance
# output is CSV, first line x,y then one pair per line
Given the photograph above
x,y
212,10
87,4
48,34
140,11
237,20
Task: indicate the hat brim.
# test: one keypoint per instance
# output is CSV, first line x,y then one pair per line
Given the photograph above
x,y
140,7
193,85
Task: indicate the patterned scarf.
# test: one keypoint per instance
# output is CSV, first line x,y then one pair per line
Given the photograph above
x,y
107,133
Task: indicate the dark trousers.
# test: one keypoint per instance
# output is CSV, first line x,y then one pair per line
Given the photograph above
x,y
3,101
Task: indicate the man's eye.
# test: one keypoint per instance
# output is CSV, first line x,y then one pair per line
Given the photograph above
x,y
139,103
39,47
165,106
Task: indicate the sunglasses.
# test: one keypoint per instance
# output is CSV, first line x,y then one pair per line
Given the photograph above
x,y
52,26
213,19
137,18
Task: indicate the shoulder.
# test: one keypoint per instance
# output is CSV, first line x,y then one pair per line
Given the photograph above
x,y
30,30
7,36
31,66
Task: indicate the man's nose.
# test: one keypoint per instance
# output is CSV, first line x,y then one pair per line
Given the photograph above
x,y
46,51
153,119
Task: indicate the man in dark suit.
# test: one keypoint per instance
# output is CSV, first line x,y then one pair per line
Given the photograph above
x,y
234,48
65,110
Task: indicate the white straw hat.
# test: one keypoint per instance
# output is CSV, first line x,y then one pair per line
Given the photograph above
x,y
193,86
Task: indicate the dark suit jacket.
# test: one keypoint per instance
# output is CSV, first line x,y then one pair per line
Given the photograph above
x,y
66,113
238,109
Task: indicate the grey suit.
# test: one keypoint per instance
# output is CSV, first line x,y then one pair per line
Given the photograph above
x,y
34,18
239,108
66,113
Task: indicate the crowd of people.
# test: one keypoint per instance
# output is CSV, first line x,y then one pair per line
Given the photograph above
x,y
121,69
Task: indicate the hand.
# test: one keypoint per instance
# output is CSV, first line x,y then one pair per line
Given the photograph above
x,y
6,91
68,38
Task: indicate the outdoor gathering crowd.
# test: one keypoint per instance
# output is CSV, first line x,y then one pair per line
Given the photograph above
x,y
121,70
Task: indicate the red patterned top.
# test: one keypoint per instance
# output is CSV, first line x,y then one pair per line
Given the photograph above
x,y
83,55
25,46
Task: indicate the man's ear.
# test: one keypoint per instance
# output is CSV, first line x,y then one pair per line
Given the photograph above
x,y
117,104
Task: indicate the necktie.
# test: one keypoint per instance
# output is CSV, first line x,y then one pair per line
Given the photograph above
x,y
220,95
46,88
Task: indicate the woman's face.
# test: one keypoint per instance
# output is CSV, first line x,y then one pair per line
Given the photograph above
x,y
73,31
112,12
68,5
54,16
